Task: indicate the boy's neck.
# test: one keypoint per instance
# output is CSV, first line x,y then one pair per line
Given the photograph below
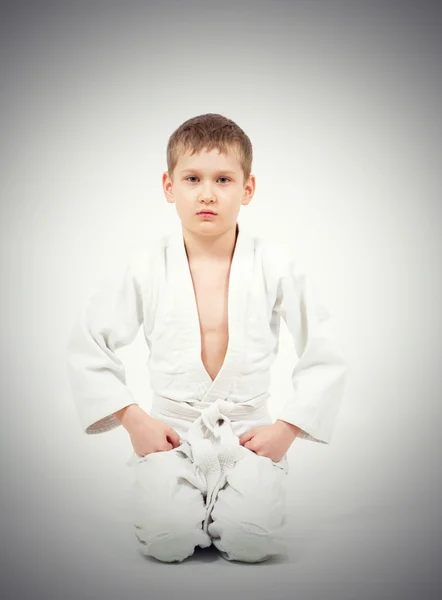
x,y
218,248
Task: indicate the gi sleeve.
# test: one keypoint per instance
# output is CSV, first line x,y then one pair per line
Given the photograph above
x,y
320,373
108,320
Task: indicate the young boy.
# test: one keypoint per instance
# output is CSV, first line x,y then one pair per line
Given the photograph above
x,y
210,466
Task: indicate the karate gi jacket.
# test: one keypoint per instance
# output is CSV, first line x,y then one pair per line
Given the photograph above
x,y
153,289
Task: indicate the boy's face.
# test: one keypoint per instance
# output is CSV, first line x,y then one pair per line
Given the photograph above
x,y
212,181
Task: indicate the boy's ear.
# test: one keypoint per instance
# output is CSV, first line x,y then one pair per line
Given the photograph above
x,y
249,190
167,187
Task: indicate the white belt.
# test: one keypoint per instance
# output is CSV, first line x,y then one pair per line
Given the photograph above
x,y
214,448
245,414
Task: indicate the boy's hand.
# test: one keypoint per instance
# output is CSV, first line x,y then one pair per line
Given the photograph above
x,y
146,433
152,435
272,441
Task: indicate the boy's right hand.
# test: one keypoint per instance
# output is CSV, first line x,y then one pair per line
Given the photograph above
x,y
151,435
148,434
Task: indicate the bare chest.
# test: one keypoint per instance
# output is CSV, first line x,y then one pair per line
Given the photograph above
x,y
211,287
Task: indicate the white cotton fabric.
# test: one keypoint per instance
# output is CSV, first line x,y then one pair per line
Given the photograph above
x,y
210,490
153,289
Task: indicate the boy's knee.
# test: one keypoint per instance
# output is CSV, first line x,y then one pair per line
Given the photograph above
x,y
171,545
248,536
247,542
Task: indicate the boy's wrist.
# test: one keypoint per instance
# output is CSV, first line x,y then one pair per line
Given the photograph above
x,y
294,429
129,415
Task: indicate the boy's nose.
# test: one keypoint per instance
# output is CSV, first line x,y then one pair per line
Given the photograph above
x,y
207,193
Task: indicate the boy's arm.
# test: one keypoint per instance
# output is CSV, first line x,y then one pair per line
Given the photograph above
x,y
110,319
319,376
130,416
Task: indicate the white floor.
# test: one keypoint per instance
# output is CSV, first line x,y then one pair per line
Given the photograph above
x,y
371,553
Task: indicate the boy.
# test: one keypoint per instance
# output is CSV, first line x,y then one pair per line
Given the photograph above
x,y
210,466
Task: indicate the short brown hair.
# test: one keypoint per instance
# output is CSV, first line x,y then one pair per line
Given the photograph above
x,y
209,131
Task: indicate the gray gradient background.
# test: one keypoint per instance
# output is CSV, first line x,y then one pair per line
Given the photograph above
x,y
342,103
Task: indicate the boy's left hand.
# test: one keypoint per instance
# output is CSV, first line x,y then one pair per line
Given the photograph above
x,y
271,441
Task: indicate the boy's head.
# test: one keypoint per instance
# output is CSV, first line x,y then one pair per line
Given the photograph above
x,y
209,160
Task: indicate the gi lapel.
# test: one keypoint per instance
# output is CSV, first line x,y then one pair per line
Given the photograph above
x,y
184,303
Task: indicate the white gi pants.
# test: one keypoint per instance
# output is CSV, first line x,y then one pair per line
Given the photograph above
x,y
208,490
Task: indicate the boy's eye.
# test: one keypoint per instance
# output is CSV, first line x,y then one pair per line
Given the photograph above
x,y
194,177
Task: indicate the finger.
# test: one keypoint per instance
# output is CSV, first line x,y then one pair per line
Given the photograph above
x,y
173,437
249,445
246,436
166,447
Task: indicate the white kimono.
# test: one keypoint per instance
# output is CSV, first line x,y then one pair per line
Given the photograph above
x,y
154,289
